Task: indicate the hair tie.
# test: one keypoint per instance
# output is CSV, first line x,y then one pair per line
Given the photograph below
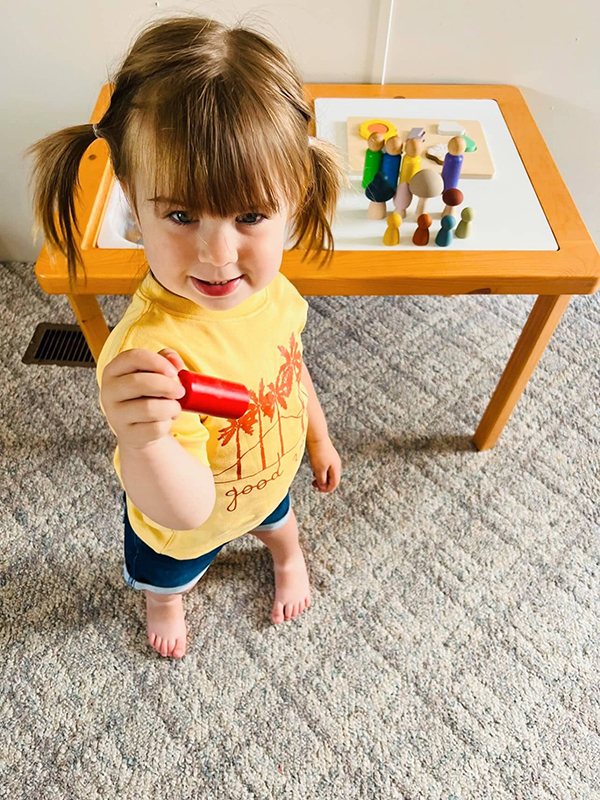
x,y
96,134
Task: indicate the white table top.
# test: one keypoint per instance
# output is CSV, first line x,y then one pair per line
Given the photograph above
x,y
508,215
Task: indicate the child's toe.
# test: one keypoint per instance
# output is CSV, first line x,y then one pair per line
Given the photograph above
x,y
179,649
277,612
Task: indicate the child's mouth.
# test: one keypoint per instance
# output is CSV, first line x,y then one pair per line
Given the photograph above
x,y
216,289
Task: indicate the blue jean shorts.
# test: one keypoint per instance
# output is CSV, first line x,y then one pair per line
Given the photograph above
x,y
144,568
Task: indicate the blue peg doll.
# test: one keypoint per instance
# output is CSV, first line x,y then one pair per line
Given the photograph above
x,y
445,235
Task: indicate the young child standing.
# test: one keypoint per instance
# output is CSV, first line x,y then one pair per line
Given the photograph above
x,y
207,130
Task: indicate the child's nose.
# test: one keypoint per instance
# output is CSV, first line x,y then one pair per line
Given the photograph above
x,y
215,246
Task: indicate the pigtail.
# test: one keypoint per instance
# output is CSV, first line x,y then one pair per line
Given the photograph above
x,y
312,223
55,178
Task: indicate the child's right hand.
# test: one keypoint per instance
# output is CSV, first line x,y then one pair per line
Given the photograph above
x,y
139,395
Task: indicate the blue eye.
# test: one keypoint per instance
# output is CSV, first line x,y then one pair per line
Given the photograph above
x,y
177,222
243,220
251,214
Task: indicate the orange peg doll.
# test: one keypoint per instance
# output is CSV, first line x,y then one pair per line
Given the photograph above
x,y
421,235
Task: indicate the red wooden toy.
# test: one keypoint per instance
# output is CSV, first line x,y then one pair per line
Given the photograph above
x,y
213,396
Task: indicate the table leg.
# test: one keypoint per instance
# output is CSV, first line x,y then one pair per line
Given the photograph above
x,y
543,319
91,321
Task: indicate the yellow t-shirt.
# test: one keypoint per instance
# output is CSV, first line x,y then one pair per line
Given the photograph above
x,y
254,458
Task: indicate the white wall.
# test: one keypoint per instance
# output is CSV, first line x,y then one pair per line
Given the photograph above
x,y
55,57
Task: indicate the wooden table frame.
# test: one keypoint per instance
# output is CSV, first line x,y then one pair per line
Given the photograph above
x,y
552,275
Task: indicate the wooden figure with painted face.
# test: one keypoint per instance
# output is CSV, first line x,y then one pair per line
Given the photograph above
x,y
453,162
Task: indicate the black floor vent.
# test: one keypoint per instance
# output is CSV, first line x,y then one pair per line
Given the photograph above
x,y
63,345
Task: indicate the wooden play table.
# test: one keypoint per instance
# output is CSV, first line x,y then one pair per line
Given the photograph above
x,y
553,275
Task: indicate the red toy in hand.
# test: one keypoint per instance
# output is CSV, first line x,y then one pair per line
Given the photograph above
x,y
213,396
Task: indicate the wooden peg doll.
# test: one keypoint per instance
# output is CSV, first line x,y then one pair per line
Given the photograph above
x,y
453,162
379,191
205,394
373,158
402,199
390,164
421,235
465,226
411,162
452,198
444,236
426,184
392,232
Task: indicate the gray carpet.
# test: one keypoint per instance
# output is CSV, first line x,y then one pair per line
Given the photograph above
x,y
452,647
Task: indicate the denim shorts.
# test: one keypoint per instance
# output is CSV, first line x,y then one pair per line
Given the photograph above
x,y
144,568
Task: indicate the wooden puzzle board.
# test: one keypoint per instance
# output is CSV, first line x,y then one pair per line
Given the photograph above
x,y
475,165
508,214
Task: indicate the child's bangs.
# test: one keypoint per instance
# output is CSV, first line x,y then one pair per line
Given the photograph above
x,y
192,163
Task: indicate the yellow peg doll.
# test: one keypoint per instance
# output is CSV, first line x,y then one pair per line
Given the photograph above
x,y
392,233
411,163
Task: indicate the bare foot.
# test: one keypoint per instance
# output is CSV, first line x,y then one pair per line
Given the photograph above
x,y
166,624
292,588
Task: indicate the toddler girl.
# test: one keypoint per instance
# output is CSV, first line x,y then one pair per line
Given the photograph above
x,y
207,130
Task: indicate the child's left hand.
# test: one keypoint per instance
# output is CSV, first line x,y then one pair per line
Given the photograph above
x,y
326,464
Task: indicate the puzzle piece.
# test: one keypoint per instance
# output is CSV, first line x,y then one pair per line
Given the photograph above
x,y
471,146
369,126
446,128
437,152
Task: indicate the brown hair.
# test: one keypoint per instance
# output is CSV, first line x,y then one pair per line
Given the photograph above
x,y
212,116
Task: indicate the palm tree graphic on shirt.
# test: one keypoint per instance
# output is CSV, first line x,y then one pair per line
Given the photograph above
x,y
266,403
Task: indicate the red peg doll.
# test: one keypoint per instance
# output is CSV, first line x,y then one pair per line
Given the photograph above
x,y
208,395
213,396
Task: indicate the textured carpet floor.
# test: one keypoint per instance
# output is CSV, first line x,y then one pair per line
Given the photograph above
x,y
452,647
